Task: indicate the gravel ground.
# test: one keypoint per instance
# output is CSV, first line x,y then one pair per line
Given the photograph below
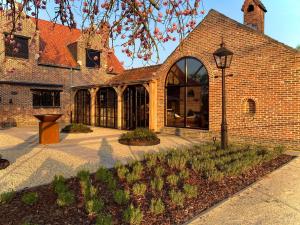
x,y
33,164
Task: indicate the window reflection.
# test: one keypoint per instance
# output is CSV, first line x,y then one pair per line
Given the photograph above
x,y
187,95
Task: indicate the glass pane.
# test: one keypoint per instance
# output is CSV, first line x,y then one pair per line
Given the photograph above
x,y
197,108
175,106
176,75
196,72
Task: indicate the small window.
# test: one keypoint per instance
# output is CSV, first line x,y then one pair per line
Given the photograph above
x,y
16,46
45,98
250,8
250,107
92,58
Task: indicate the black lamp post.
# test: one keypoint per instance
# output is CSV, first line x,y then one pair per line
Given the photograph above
x,y
223,58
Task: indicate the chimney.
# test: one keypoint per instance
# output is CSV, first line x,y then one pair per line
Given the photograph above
x,y
254,14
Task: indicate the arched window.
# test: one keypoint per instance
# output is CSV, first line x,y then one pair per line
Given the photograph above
x,y
187,95
250,8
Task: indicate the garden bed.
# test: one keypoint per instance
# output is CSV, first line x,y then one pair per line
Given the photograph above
x,y
139,137
166,188
76,128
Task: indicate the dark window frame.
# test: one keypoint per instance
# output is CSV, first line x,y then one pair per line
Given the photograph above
x,y
89,61
21,54
185,84
43,98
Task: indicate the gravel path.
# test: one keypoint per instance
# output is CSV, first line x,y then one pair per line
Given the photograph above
x,y
34,164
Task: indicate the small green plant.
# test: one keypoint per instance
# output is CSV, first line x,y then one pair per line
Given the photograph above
x,y
103,175
122,171
139,189
83,175
137,169
94,206
132,215
173,180
159,171
7,197
65,198
76,128
104,219
121,197
191,191
30,198
157,184
177,161
151,160
177,197
184,174
157,206
58,184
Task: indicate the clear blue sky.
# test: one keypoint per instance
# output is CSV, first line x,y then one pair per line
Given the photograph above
x,y
282,23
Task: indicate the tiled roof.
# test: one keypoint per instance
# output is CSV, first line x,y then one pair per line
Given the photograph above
x,y
113,64
135,75
54,41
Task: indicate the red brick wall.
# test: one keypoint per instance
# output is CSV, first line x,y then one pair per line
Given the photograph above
x,y
28,70
263,70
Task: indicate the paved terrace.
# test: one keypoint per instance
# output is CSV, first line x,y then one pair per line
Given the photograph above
x,y
34,164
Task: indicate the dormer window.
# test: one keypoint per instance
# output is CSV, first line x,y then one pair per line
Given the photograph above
x,y
92,58
16,46
250,8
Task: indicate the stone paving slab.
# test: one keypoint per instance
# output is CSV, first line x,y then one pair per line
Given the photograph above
x,y
274,200
34,164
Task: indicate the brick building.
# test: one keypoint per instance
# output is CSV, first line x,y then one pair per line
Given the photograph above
x,y
180,96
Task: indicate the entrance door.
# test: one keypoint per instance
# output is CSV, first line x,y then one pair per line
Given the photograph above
x,y
135,107
83,107
106,108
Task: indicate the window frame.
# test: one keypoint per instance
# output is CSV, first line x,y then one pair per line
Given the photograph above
x,y
87,64
41,95
185,85
9,53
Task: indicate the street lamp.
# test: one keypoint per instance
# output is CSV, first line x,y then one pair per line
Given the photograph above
x,y
223,58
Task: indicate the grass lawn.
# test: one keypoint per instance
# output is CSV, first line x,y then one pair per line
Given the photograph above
x,y
165,188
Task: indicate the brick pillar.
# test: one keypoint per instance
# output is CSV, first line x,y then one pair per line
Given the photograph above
x,y
93,92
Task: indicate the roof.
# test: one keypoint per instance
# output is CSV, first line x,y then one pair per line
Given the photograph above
x,y
257,2
113,64
54,42
135,75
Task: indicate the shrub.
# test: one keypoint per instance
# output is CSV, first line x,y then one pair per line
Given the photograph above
x,y
76,128
83,175
58,184
132,177
191,191
157,206
94,206
177,197
104,219
184,174
122,171
121,197
173,180
159,171
7,197
65,198
151,160
103,175
133,215
177,161
112,183
30,198
139,189
137,169
157,184
139,134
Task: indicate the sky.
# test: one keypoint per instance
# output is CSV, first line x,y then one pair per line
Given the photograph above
x,y
282,22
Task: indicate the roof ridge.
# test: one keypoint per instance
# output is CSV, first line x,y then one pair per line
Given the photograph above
x,y
144,67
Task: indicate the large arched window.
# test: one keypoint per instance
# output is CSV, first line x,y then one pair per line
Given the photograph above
x,y
187,95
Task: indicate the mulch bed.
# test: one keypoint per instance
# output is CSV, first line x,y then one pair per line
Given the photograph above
x,y
140,142
46,212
